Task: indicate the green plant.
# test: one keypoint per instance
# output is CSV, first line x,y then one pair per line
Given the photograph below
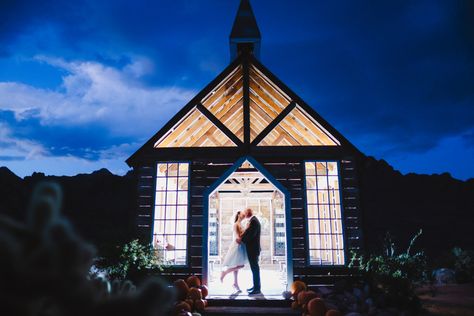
x,y
463,264
137,259
394,275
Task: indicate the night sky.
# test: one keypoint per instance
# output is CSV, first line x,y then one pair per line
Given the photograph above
x,y
84,83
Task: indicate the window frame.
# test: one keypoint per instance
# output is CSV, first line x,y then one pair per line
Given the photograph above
x,y
306,215
188,226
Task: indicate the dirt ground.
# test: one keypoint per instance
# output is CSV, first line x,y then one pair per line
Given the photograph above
x,y
451,299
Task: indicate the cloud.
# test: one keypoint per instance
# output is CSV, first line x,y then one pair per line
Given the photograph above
x,y
99,112
12,148
94,93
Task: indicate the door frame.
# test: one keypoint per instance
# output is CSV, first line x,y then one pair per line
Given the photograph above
x,y
288,227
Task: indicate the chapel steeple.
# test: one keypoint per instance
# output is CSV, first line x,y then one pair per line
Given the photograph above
x,y
245,35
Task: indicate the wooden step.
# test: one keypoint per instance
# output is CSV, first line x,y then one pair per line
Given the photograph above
x,y
249,303
249,311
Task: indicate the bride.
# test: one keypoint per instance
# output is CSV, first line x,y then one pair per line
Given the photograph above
x,y
236,256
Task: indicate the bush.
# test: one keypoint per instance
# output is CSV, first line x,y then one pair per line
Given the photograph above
x,y
136,260
463,265
393,275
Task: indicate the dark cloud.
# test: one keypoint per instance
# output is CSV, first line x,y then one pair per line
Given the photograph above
x,y
86,141
393,76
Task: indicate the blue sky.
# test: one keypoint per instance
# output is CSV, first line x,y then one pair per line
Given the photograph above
x,y
84,83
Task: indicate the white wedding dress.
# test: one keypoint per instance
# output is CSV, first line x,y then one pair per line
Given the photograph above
x,y
237,254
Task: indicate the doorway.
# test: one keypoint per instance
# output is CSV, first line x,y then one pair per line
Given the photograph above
x,y
247,185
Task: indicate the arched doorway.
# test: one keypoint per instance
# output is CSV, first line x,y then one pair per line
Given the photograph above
x,y
248,184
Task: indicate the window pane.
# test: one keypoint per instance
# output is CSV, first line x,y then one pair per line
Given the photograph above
x,y
183,183
172,184
333,182
313,211
334,196
332,168
183,197
171,197
310,182
323,197
325,241
182,212
311,196
160,198
160,184
310,168
172,170
170,226
322,183
183,170
321,168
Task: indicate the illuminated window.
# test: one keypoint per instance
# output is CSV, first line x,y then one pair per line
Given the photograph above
x,y
323,202
171,211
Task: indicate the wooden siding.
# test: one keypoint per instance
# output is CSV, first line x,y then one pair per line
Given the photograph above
x,y
290,173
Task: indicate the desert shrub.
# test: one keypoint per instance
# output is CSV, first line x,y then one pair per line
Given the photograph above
x,y
463,264
137,260
394,275
44,269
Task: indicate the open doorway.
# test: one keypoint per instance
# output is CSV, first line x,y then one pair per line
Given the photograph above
x,y
248,187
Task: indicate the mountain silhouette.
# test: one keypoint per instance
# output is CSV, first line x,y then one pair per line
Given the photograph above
x,y
102,206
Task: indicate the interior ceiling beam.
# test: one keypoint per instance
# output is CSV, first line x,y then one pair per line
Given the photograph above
x,y
218,124
273,124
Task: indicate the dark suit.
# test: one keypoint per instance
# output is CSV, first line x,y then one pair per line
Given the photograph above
x,y
251,239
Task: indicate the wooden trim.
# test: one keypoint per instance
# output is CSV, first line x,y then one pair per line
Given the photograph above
x,y
273,124
246,90
344,141
131,161
218,124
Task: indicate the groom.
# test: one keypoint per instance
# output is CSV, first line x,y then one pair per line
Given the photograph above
x,y
251,239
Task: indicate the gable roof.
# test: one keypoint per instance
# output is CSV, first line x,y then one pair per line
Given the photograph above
x,y
245,106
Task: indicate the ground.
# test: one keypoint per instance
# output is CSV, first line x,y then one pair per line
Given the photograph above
x,y
451,299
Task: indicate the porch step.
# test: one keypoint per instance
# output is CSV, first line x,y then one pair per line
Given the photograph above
x,y
271,303
249,311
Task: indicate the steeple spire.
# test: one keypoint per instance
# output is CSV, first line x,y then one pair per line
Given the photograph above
x,y
245,34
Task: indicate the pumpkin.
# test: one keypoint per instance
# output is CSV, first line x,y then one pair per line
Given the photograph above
x,y
190,303
295,305
182,306
316,307
204,291
193,281
200,305
305,296
333,312
195,294
181,288
297,287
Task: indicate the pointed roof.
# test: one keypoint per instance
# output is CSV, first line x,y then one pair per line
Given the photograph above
x,y
245,109
245,24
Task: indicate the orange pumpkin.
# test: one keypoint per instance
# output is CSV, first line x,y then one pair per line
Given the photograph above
x,y
305,296
193,281
190,303
316,307
333,312
182,306
297,287
195,294
204,291
182,289
200,305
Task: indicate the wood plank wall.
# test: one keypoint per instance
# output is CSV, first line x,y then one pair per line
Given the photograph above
x,y
290,174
